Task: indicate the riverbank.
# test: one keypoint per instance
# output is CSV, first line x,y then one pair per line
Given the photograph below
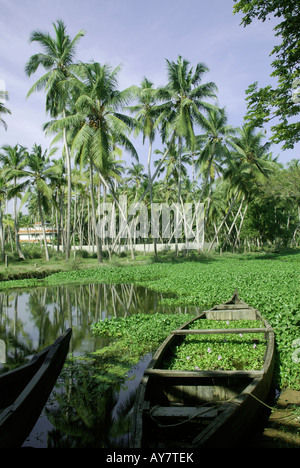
x,y
282,428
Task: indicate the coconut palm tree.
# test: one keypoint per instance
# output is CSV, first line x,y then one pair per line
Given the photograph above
x,y
249,149
171,163
247,164
38,171
184,99
3,108
146,115
14,161
57,60
136,175
97,116
99,124
183,104
212,146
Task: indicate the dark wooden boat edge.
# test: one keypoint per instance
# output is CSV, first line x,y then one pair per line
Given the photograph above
x,y
246,403
35,380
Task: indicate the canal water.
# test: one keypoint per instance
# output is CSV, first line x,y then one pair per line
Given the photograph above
x,y
32,319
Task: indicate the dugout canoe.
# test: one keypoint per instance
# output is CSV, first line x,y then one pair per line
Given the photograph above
x,y
24,391
202,408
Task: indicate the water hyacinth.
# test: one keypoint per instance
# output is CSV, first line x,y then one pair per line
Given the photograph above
x,y
209,352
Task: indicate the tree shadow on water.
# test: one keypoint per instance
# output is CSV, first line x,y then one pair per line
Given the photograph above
x,y
87,412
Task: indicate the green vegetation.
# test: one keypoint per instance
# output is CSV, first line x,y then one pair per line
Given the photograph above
x,y
132,337
141,334
276,102
226,352
269,282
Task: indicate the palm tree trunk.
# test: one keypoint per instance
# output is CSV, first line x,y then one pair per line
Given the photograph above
x,y
21,255
122,215
233,223
2,235
179,185
69,177
43,228
224,220
99,256
237,240
150,190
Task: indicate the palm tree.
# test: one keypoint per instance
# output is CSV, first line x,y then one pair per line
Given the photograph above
x,y
136,175
58,61
248,149
100,126
171,166
97,117
212,146
249,163
14,161
183,96
3,109
38,171
146,115
58,184
184,104
183,101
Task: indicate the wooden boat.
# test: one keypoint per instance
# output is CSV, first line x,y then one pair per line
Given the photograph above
x,y
24,391
202,408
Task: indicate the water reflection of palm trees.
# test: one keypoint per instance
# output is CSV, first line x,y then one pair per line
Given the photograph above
x,y
85,417
84,413
47,312
31,320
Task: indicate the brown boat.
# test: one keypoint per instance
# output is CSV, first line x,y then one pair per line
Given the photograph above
x,y
24,391
202,408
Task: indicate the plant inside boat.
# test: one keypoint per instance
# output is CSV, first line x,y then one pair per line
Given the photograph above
x,y
223,352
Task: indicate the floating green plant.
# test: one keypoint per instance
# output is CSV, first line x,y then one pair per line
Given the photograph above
x,y
214,351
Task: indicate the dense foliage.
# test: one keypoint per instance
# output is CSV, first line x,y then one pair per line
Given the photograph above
x,y
277,102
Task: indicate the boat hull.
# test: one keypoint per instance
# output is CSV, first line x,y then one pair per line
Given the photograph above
x,y
25,390
201,408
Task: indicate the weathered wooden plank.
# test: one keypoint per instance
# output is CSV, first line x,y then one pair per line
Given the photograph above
x,y
221,331
204,373
232,307
186,412
238,314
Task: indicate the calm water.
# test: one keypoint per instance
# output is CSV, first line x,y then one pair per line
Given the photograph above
x,y
33,319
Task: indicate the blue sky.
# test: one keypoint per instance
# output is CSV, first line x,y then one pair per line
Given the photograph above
x,y
140,36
